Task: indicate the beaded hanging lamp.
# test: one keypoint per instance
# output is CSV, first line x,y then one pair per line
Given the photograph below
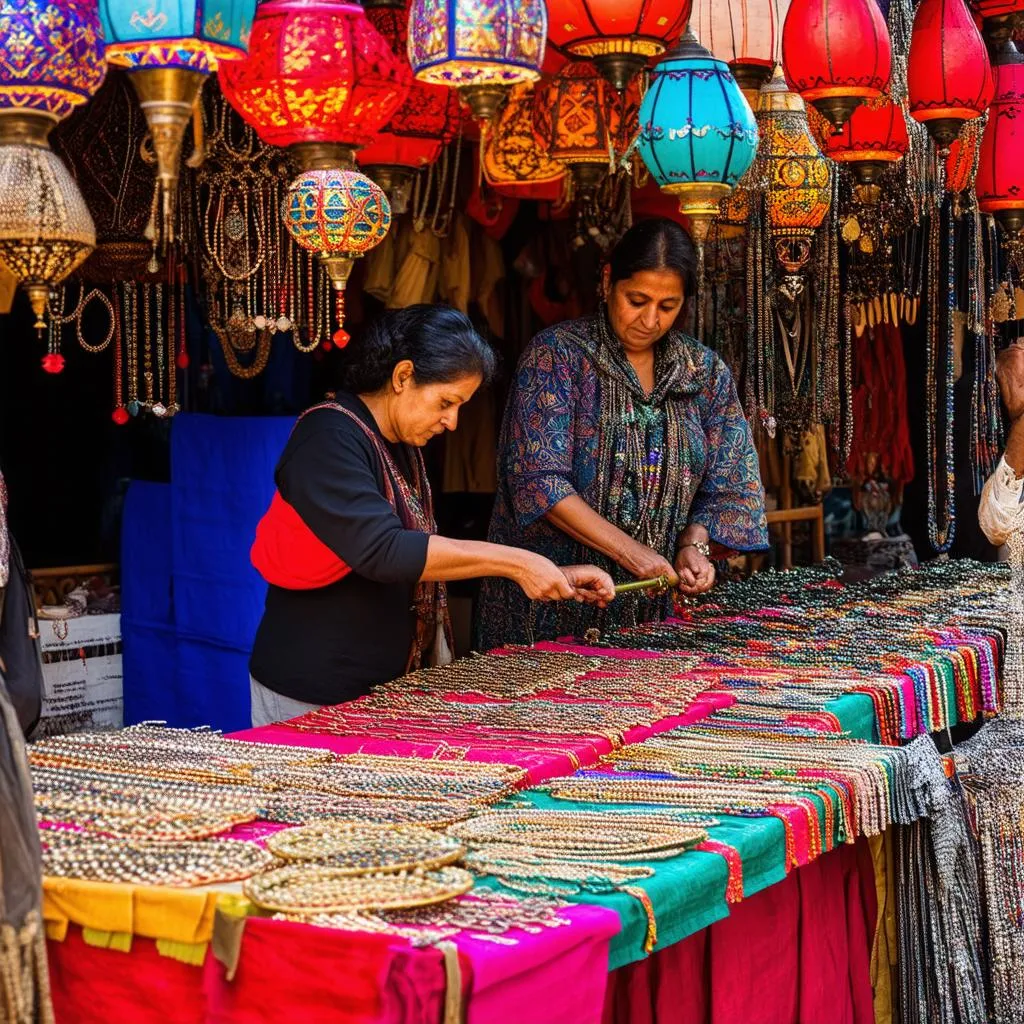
x,y
836,53
514,160
51,60
420,128
799,190
584,123
698,135
1000,179
340,215
169,50
620,36
746,34
480,47
319,80
46,230
949,79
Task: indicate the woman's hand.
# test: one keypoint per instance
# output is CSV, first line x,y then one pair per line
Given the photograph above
x,y
696,571
541,579
645,564
1010,375
592,585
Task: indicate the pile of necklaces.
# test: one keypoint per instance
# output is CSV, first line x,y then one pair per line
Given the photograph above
x,y
695,729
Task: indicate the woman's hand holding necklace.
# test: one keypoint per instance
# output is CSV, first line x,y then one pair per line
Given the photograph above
x,y
695,568
646,564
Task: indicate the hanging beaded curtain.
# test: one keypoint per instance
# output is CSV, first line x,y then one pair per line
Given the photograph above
x,y
255,282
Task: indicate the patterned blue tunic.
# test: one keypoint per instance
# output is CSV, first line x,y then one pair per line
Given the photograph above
x,y
578,422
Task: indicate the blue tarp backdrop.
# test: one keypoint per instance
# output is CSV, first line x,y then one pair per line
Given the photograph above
x,y
191,600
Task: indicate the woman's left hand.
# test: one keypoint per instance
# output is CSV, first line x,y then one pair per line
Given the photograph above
x,y
592,585
696,571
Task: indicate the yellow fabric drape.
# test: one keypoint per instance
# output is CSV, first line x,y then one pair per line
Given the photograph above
x,y
456,272
417,274
810,463
470,454
153,912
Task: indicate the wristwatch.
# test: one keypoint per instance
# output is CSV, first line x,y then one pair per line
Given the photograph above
x,y
701,546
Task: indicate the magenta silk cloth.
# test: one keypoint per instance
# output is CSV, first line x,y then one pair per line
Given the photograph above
x,y
796,953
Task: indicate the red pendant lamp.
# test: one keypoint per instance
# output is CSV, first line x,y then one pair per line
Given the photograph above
x,y
874,138
319,79
620,36
948,75
1000,179
427,120
836,54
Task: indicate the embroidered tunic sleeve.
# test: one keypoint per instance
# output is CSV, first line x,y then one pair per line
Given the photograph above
x,y
730,500
1000,511
538,457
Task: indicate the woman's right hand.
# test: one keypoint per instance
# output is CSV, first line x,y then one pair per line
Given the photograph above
x,y
646,564
542,580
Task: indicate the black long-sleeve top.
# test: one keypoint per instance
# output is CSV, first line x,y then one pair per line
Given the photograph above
x,y
333,643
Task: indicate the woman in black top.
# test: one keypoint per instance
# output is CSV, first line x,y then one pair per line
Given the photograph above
x,y
356,571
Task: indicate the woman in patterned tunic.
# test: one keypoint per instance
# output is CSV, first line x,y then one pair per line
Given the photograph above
x,y
623,441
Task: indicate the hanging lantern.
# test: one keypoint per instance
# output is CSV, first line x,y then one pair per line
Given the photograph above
x,y
698,135
515,162
319,79
746,34
51,58
480,47
1000,180
874,138
340,215
584,123
620,36
169,51
101,145
799,189
836,53
45,227
418,131
949,80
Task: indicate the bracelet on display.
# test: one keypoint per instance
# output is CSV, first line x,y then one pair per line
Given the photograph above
x,y
702,546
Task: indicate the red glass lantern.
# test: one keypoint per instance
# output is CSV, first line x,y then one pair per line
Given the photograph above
x,y
583,122
948,75
427,120
836,54
620,36
319,79
874,138
1000,180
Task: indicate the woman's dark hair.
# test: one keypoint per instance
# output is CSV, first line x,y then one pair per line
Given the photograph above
x,y
655,244
440,342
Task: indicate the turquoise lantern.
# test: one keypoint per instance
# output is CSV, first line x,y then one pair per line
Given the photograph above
x,y
698,135
169,49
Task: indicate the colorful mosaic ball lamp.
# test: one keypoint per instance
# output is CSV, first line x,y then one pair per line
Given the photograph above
x,y
339,215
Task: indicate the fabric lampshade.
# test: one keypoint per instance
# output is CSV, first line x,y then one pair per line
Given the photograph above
x,y
620,36
949,79
319,77
478,46
51,55
836,53
1000,180
698,135
874,137
746,34
192,34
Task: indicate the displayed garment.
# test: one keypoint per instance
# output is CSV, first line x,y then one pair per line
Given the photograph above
x,y
470,450
579,422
